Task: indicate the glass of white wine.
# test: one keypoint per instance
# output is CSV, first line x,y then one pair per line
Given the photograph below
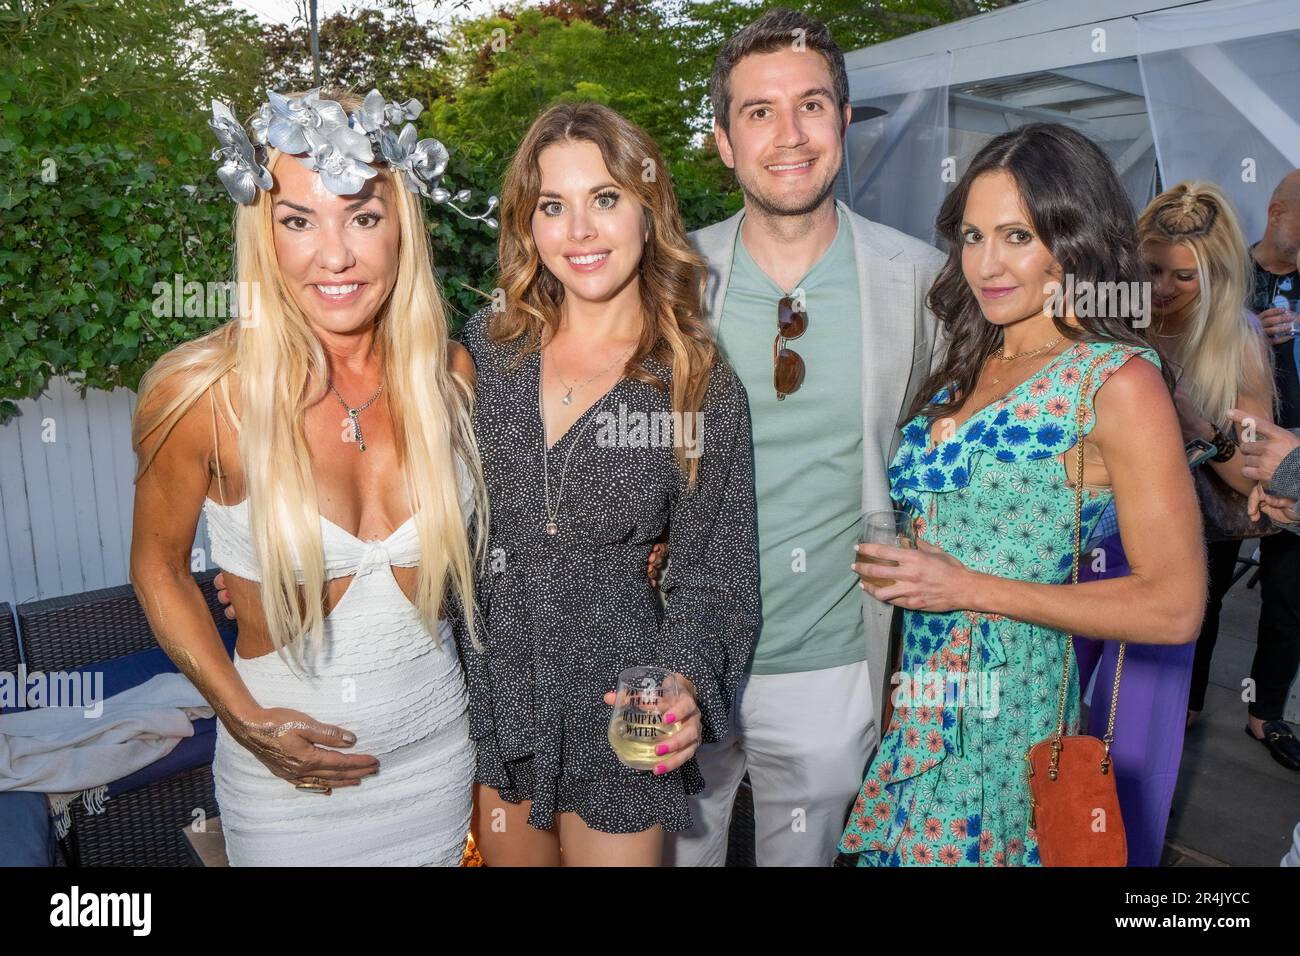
x,y
637,728
894,528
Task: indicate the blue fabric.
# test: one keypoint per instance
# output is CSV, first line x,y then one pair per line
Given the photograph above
x,y
26,830
123,673
1107,527
27,836
1150,717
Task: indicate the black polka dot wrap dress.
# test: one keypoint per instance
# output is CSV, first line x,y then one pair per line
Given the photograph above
x,y
561,615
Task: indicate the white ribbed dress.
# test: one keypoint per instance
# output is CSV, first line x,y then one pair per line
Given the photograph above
x,y
378,674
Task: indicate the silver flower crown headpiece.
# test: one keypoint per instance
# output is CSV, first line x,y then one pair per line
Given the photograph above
x,y
338,146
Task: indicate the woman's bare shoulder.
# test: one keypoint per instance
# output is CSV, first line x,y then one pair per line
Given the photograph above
x,y
1132,383
1134,403
461,362
182,402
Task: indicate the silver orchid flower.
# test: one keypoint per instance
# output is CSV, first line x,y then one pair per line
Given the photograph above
x,y
228,131
340,148
342,163
260,122
377,114
343,138
397,113
422,161
370,116
429,159
422,164
299,123
240,172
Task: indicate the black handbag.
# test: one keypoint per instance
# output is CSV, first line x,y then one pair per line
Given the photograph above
x,y
1225,509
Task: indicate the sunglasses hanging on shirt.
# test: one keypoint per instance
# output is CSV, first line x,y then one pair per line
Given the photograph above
x,y
787,364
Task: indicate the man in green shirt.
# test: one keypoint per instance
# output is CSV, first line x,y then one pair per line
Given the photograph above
x,y
805,720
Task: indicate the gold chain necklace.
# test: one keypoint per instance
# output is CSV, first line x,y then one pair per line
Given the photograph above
x,y
1001,356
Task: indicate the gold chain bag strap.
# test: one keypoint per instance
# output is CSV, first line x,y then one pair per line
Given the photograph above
x,y
1074,804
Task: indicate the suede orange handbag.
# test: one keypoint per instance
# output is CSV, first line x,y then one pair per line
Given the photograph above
x,y
1074,804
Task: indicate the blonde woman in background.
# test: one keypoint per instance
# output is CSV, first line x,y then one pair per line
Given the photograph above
x,y
1199,267
327,439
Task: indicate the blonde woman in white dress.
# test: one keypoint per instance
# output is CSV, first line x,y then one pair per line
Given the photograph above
x,y
325,436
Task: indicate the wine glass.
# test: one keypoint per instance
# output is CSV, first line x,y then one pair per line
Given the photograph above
x,y
892,527
1290,306
636,727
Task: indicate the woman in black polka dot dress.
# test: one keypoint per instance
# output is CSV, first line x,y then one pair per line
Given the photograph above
x,y
600,341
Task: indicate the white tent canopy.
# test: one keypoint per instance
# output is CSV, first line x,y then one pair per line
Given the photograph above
x,y
1207,90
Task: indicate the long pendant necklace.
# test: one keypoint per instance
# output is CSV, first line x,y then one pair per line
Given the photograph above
x,y
354,412
552,525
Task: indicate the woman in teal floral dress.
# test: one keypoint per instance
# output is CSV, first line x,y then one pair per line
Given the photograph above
x,y
985,467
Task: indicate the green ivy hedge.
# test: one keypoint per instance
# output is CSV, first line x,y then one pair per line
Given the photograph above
x,y
80,255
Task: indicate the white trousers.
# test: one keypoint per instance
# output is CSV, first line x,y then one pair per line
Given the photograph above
x,y
806,740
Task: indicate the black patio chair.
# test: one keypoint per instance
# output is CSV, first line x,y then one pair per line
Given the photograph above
x,y
8,639
141,827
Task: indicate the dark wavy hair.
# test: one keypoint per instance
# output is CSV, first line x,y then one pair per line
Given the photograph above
x,y
1077,207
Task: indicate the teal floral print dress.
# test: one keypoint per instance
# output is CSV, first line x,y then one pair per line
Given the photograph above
x,y
948,785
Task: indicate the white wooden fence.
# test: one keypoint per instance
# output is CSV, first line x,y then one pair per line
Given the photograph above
x,y
66,493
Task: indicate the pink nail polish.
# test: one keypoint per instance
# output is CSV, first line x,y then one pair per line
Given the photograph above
x,y
661,749
669,717
660,770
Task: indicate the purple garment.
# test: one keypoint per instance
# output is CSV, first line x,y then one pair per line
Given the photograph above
x,y
1149,721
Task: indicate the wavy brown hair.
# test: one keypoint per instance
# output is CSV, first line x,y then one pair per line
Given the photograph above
x,y
1078,208
670,276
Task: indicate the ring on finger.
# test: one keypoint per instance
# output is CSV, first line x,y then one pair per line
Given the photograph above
x,y
313,785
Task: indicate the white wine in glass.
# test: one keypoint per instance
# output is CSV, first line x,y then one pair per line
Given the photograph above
x,y
637,728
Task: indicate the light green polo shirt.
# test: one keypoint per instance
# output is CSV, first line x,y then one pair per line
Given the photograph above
x,y
807,458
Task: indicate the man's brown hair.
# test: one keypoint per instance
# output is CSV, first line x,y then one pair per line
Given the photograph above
x,y
778,29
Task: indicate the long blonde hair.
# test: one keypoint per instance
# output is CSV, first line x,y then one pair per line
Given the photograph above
x,y
671,277
1221,352
277,358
